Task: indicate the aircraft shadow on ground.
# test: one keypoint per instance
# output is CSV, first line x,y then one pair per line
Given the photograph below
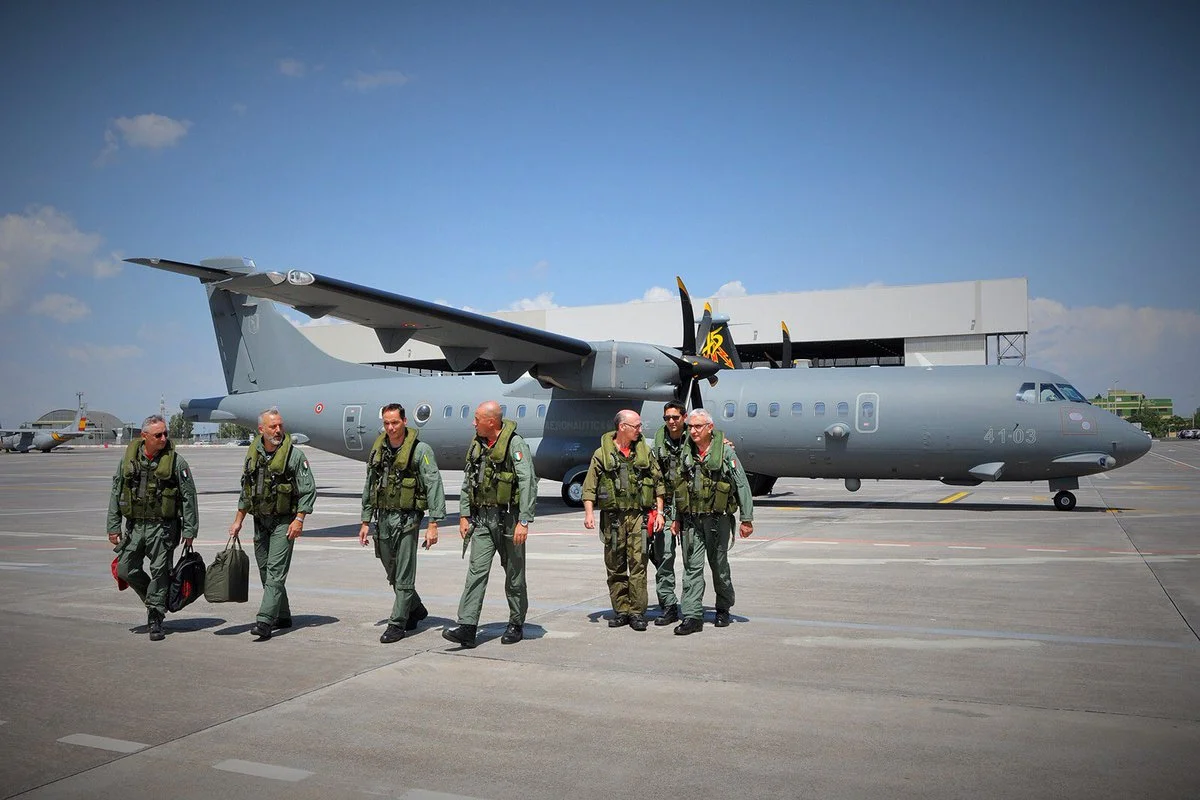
x,y
298,621
904,505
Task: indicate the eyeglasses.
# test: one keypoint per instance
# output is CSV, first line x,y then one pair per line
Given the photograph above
x,y
162,435
698,424
637,427
671,418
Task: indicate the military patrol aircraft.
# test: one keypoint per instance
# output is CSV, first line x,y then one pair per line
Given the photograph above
x,y
958,425
22,440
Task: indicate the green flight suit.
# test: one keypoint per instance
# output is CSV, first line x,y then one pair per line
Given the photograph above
x,y
669,453
149,537
707,534
492,526
272,548
396,528
623,523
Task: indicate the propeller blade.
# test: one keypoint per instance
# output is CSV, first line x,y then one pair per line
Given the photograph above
x,y
689,319
705,328
787,348
697,399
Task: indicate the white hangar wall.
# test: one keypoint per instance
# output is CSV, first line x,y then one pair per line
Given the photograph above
x,y
942,323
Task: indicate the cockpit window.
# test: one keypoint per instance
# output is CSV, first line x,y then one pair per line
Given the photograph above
x,y
1027,393
1050,394
1071,393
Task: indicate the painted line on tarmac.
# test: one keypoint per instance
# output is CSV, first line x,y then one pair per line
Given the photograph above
x,y
20,565
50,549
262,770
954,498
1175,461
103,743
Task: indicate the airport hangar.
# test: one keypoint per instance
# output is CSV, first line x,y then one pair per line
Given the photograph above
x,y
958,323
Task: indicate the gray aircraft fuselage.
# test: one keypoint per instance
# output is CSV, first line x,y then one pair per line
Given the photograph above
x,y
931,423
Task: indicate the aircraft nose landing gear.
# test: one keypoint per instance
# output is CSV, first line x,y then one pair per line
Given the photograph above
x,y
1064,501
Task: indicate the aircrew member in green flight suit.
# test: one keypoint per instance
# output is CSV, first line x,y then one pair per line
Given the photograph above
x,y
712,486
668,447
154,492
279,491
624,480
402,483
496,508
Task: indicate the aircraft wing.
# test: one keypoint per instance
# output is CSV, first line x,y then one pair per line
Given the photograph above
x,y
463,336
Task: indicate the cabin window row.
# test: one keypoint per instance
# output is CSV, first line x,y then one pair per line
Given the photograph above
x,y
842,409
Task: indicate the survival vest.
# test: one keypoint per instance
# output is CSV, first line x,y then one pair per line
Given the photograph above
x,y
670,458
621,483
148,493
491,477
705,487
396,481
268,486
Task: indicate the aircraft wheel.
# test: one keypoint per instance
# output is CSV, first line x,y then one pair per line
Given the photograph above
x,y
572,492
1064,501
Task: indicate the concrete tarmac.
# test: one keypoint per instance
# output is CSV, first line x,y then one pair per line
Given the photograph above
x,y
885,644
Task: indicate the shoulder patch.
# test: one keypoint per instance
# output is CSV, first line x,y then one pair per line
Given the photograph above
x,y
306,463
517,456
184,473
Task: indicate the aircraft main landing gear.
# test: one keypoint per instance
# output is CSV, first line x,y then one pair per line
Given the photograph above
x,y
572,491
1064,501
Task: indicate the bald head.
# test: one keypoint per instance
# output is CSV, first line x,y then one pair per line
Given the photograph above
x,y
488,419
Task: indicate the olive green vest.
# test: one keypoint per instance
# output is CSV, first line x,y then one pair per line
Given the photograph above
x,y
670,459
704,489
148,494
491,477
396,482
623,484
268,486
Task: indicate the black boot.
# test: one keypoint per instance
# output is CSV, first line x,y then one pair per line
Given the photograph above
x,y
670,614
394,633
689,626
513,634
618,620
463,634
722,620
155,627
415,616
262,630
637,622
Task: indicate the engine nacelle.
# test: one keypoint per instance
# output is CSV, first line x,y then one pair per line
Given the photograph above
x,y
628,369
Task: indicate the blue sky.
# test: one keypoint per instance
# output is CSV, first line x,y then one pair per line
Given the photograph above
x,y
500,154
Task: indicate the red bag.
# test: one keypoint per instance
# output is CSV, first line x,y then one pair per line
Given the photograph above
x,y
121,585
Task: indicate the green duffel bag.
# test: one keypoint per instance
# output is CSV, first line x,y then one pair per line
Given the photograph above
x,y
228,577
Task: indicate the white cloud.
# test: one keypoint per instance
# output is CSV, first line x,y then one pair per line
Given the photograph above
x,y
89,352
542,301
1149,350
656,294
731,289
292,67
151,131
365,82
31,242
62,307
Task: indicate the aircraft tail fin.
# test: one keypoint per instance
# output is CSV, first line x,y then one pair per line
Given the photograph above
x,y
718,345
260,349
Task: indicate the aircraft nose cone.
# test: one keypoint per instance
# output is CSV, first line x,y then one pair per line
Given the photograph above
x,y
1132,444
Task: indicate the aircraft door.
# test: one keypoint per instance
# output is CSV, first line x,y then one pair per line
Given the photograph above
x,y
866,416
353,428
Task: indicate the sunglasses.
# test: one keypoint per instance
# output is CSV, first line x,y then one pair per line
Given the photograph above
x,y
162,435
667,418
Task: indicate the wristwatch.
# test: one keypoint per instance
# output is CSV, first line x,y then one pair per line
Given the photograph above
x,y
525,522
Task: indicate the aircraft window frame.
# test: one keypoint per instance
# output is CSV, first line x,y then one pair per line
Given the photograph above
x,y
751,409
797,409
422,413
1073,394
521,411
729,411
1027,393
843,409
773,410
465,412
819,408
1055,395
503,410
541,410
448,412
